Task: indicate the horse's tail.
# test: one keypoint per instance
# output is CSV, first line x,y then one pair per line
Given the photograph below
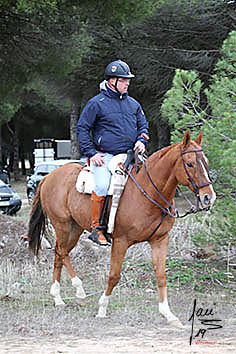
x,y
37,222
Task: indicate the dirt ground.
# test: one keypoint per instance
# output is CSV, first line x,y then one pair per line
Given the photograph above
x,y
29,322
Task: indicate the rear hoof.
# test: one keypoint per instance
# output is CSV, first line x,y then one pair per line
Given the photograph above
x,y
81,302
176,324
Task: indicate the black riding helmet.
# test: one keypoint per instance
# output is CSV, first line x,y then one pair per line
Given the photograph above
x,y
118,68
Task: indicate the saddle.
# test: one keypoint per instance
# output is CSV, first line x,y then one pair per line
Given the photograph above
x,y
85,181
119,165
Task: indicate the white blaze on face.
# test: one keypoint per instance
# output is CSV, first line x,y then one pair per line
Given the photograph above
x,y
213,195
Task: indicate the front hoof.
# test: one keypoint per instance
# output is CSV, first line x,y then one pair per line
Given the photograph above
x,y
101,316
176,324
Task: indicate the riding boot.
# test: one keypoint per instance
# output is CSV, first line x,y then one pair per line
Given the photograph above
x,y
97,234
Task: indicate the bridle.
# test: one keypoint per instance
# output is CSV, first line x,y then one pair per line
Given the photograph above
x,y
200,160
196,188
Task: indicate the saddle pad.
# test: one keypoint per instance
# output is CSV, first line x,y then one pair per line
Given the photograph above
x,y
85,180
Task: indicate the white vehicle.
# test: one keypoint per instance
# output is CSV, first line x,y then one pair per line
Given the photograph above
x,y
41,170
10,201
48,149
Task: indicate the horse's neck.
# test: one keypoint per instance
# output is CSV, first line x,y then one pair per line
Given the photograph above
x,y
135,206
161,167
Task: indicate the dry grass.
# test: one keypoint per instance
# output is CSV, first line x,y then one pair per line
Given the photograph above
x,y
27,308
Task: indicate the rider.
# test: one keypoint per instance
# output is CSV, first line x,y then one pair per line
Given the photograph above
x,y
111,123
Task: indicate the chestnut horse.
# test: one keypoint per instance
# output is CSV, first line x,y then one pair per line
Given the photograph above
x,y
145,213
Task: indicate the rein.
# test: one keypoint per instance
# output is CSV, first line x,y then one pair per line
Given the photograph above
x,y
167,211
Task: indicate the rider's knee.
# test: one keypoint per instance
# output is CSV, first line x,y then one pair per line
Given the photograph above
x,y
102,189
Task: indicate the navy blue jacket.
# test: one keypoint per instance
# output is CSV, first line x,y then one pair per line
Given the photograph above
x,y
115,121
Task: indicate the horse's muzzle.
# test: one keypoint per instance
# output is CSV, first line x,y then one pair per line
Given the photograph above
x,y
208,200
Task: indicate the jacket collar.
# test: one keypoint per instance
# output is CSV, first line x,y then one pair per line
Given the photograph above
x,y
111,93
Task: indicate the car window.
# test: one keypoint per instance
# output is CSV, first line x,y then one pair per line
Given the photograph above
x,y
41,170
51,168
44,169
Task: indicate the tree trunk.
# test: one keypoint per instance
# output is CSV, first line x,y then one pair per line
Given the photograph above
x,y
15,147
23,168
1,157
159,134
163,132
16,171
75,108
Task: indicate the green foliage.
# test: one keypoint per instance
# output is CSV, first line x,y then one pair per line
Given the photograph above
x,y
39,38
33,6
121,11
217,227
221,96
46,93
48,39
7,111
197,275
183,108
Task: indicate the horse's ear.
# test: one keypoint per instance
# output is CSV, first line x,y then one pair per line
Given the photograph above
x,y
198,140
187,139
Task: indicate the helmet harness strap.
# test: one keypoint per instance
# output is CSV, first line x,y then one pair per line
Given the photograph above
x,y
116,88
115,85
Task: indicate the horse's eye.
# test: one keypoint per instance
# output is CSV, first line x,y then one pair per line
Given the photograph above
x,y
189,164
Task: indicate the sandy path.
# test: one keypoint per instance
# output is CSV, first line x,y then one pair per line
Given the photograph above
x,y
145,342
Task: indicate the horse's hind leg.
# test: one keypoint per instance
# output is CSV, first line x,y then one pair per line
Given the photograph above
x,y
55,288
119,248
66,241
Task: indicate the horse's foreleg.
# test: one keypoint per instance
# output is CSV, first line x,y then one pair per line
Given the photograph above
x,y
159,253
119,248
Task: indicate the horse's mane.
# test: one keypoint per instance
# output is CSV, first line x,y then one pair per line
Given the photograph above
x,y
162,152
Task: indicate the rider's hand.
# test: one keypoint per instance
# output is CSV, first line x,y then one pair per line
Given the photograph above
x,y
140,147
97,159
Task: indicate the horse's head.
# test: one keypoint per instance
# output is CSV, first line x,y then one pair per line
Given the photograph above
x,y
192,170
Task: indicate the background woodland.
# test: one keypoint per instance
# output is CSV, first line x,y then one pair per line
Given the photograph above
x,y
183,53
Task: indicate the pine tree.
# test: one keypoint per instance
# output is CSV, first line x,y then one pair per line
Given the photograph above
x,y
183,107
